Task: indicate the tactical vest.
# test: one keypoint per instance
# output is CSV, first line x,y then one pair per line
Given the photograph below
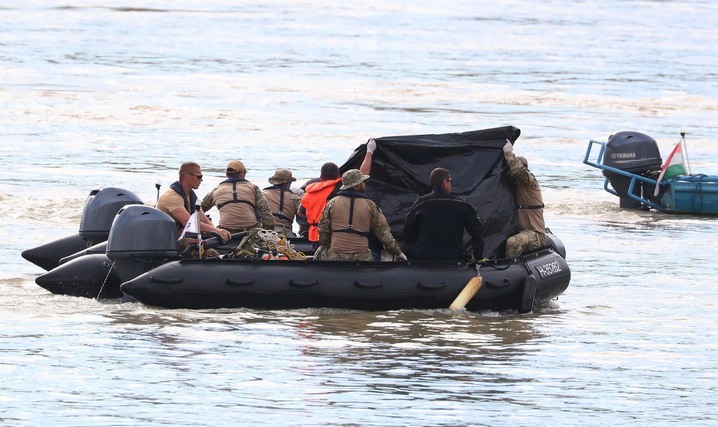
x,y
283,204
351,224
235,201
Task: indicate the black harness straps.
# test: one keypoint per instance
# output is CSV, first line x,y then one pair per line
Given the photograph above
x,y
350,225
280,214
541,206
235,199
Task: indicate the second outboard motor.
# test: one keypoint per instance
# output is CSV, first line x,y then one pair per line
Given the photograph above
x,y
635,153
100,209
141,238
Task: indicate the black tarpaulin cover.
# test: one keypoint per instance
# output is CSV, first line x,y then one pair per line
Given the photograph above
x,y
402,164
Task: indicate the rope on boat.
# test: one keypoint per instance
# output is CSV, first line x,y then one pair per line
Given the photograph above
x,y
279,243
267,244
105,281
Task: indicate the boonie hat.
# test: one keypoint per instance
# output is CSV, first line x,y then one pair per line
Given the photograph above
x,y
281,176
523,161
352,177
235,166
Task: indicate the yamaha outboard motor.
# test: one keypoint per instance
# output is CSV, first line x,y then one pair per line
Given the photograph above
x,y
100,209
636,153
141,238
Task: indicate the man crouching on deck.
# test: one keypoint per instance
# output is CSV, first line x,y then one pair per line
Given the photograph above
x,y
347,221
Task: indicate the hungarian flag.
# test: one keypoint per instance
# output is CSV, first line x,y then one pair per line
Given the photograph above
x,y
674,166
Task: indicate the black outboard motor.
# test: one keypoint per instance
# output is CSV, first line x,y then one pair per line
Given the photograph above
x,y
141,238
100,209
636,153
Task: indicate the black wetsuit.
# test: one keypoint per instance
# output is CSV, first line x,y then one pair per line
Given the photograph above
x,y
434,229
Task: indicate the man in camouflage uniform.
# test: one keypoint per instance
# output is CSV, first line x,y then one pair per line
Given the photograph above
x,y
242,205
347,221
529,205
284,204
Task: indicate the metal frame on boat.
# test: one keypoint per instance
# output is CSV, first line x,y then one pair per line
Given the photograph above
x,y
632,176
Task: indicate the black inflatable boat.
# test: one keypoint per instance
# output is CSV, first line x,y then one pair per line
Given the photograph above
x,y
127,249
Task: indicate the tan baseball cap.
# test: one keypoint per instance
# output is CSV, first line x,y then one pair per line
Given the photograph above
x,y
235,166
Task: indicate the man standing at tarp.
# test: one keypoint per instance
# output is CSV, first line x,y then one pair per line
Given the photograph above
x,y
529,207
434,229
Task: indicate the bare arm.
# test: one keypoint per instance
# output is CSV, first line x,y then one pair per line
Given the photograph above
x,y
365,167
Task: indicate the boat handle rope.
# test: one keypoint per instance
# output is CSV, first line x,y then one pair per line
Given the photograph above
x,y
296,284
105,281
232,282
421,285
368,286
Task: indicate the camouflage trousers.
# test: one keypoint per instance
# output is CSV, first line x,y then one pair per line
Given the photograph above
x,y
325,253
523,242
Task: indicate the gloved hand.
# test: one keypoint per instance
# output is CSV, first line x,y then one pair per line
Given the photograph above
x,y
402,257
508,147
371,145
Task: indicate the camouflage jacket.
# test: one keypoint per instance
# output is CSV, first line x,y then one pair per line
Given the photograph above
x,y
529,201
336,232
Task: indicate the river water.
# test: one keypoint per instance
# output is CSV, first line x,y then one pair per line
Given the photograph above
x,y
98,93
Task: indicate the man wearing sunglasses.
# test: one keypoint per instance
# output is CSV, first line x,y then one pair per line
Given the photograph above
x,y
180,200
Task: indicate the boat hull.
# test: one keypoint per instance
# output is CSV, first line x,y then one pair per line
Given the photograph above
x,y
207,284
89,276
48,255
696,194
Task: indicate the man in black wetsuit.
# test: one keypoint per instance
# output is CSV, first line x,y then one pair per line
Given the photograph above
x,y
434,229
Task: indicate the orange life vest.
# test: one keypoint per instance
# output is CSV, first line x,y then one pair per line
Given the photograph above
x,y
314,200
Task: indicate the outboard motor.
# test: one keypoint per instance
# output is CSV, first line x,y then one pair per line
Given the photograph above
x,y
141,238
100,209
635,153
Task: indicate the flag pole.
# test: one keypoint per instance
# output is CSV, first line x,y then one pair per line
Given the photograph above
x,y
686,164
200,244
158,184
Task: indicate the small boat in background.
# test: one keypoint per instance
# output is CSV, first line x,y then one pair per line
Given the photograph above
x,y
632,164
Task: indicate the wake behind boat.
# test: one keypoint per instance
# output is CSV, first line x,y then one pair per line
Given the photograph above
x,y
140,258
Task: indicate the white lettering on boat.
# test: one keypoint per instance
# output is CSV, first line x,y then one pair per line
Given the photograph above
x,y
623,155
549,269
